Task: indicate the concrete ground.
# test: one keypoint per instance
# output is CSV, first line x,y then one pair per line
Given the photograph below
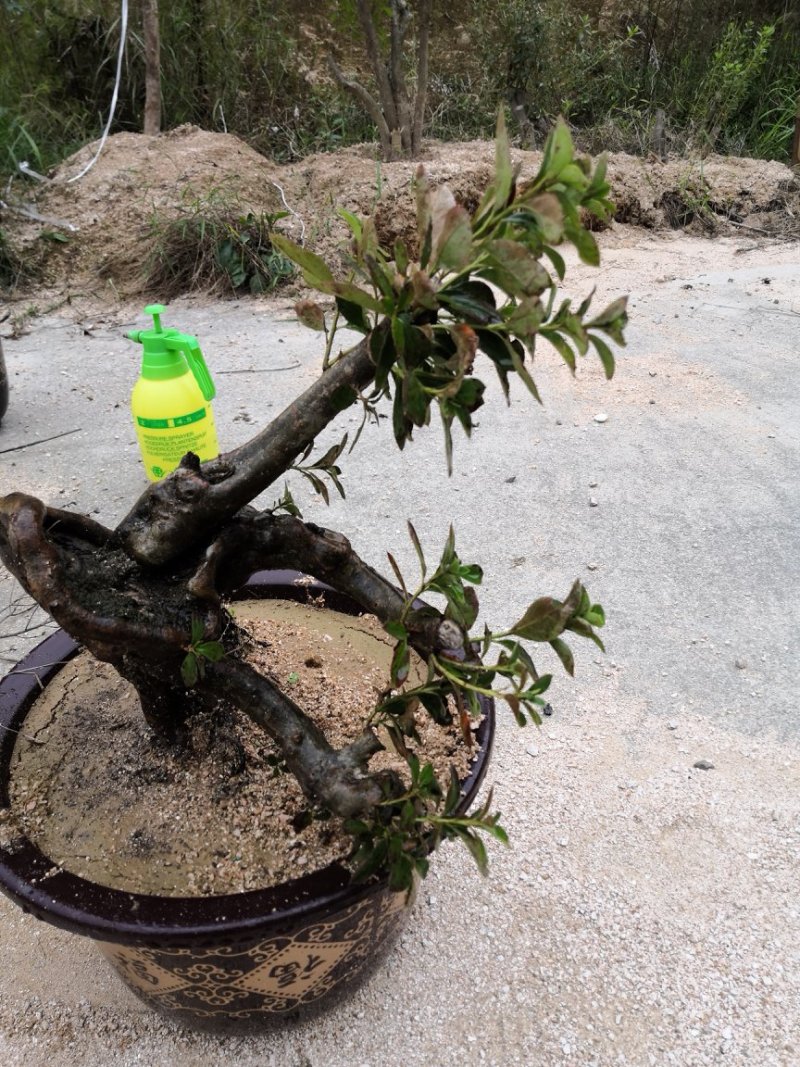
x,y
647,911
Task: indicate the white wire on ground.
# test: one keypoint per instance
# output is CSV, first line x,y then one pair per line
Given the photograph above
x,y
123,30
290,210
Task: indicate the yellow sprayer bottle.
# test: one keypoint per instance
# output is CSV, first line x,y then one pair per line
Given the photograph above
x,y
171,400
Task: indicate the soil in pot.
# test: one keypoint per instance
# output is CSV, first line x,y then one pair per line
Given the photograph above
x,y
103,800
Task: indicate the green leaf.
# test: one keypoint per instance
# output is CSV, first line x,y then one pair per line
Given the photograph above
x,y
558,150
477,850
189,670
596,616
412,533
472,301
526,318
557,260
400,256
612,320
471,572
605,354
352,221
544,620
585,244
397,572
564,653
517,359
315,270
383,354
396,630
453,247
401,874
354,295
416,401
197,629
503,172
498,349
549,215
213,651
353,314
516,269
584,629
373,860
561,346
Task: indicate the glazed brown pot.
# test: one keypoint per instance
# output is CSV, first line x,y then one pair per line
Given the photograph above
x,y
212,961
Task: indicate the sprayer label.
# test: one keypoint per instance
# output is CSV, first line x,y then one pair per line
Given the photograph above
x,y
169,424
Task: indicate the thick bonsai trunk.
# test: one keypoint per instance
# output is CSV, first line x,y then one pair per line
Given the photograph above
x,y
140,619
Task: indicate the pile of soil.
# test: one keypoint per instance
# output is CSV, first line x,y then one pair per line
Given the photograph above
x,y
140,182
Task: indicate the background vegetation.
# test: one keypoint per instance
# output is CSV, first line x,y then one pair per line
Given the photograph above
x,y
723,72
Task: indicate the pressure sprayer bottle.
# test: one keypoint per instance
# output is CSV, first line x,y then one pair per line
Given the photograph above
x,y
170,402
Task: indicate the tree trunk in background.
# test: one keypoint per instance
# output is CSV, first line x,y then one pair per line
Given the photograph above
x,y
399,119
152,68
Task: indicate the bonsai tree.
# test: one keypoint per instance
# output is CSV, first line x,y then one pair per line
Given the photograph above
x,y
149,596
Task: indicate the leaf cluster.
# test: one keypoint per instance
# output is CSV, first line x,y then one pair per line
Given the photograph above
x,y
199,652
404,830
474,284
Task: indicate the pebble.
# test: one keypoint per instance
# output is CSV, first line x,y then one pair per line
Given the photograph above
x,y
601,417
592,502
591,566
703,765
532,750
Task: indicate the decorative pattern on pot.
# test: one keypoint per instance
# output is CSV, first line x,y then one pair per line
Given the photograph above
x,y
271,976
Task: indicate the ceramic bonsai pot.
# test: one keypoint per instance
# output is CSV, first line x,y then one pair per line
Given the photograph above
x,y
212,961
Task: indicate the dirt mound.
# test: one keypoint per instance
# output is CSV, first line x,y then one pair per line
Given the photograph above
x,y
140,182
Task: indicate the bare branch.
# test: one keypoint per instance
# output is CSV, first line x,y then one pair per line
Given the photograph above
x,y
423,49
378,65
401,18
266,541
336,779
369,102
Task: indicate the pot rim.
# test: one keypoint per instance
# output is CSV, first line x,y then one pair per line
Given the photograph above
x,y
77,904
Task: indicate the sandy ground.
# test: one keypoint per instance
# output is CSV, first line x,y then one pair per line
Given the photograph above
x,y
647,911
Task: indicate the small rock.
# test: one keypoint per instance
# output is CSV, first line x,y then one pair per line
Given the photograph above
x,y
591,566
601,417
740,664
592,485
653,373
672,725
592,502
771,435
703,765
511,480
532,750
559,422
651,401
